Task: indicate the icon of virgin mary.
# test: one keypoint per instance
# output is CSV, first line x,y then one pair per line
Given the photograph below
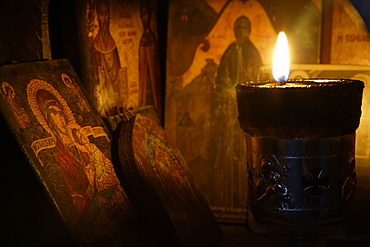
x,y
80,175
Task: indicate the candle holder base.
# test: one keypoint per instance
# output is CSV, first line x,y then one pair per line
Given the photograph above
x,y
301,189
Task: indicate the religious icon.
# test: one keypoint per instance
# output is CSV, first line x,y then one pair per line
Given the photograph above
x,y
212,46
68,146
83,169
123,72
160,178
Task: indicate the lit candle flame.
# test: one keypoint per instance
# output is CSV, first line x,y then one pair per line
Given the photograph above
x,y
280,65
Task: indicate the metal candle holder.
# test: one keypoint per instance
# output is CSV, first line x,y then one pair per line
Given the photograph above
x,y
300,155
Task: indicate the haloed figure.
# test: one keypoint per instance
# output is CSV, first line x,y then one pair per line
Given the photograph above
x,y
73,163
111,93
149,87
240,62
15,105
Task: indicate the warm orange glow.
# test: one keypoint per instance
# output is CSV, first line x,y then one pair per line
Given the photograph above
x,y
281,61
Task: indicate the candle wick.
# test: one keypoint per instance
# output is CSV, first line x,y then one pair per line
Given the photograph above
x,y
281,79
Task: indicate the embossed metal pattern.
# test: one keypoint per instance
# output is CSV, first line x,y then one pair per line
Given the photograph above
x,y
300,175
